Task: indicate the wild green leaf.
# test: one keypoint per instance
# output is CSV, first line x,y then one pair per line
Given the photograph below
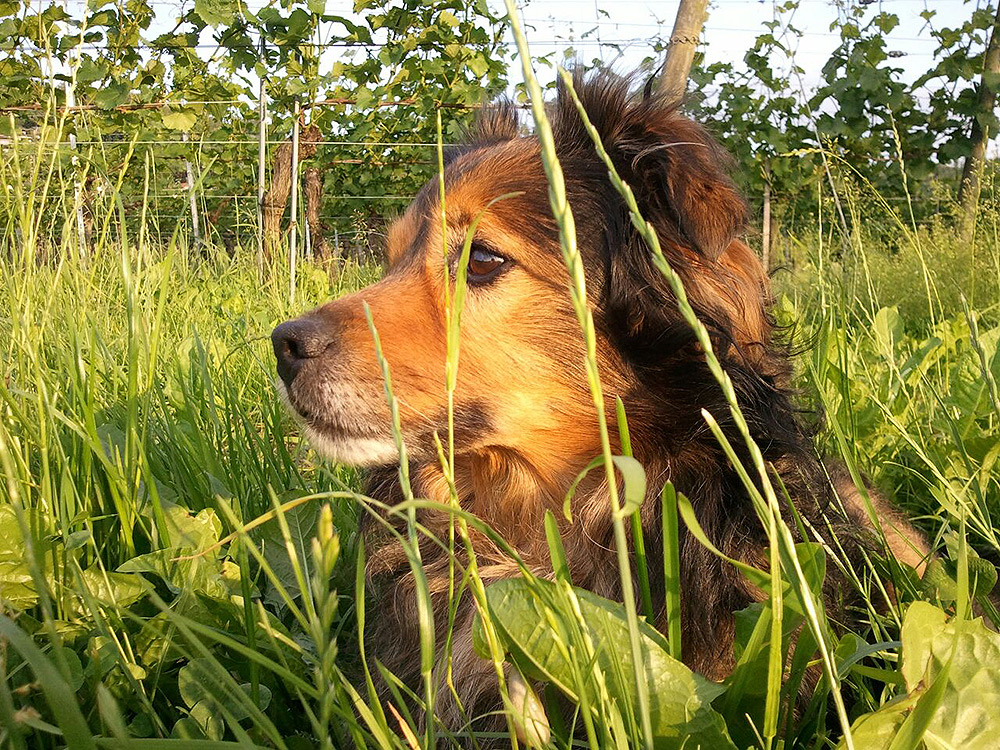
x,y
940,579
301,521
185,565
114,589
17,587
951,667
888,329
531,618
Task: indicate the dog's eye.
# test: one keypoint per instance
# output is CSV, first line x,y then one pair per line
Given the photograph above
x,y
484,265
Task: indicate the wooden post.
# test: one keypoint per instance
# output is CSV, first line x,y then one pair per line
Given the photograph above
x,y
261,174
314,217
81,227
294,208
195,230
690,19
306,234
970,186
766,229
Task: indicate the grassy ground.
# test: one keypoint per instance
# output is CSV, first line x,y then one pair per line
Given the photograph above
x,y
139,425
152,593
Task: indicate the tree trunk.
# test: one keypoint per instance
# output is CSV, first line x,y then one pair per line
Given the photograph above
x,y
192,197
314,199
281,185
691,15
968,189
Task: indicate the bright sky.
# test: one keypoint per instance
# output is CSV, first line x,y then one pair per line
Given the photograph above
x,y
732,27
591,27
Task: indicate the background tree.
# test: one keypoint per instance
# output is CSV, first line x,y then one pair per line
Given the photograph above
x,y
373,83
983,124
690,20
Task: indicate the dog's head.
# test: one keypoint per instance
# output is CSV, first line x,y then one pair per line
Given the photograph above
x,y
522,388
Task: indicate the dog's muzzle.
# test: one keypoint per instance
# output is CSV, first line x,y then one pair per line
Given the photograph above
x,y
296,342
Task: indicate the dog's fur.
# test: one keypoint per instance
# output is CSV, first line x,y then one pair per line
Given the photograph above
x,y
524,419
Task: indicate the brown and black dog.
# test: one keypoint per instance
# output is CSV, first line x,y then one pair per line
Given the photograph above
x,y
525,424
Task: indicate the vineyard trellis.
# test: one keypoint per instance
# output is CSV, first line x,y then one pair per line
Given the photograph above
x,y
104,83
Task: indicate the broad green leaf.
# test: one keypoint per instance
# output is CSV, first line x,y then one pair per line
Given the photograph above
x,y
531,618
888,329
192,531
182,566
967,717
187,729
17,590
182,120
199,684
877,730
112,95
90,71
114,589
940,582
207,715
17,587
952,674
72,661
216,12
301,520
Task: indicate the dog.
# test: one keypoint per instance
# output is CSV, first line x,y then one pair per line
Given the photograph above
x,y
524,420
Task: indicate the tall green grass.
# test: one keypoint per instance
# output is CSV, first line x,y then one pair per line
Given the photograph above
x,y
177,568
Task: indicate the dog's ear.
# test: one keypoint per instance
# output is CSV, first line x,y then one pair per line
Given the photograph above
x,y
680,178
677,171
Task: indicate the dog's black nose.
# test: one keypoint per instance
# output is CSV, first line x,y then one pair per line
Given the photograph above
x,y
296,341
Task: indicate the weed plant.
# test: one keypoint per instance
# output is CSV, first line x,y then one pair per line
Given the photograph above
x,y
178,569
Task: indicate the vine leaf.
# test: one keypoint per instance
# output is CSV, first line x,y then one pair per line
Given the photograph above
x,y
178,119
216,12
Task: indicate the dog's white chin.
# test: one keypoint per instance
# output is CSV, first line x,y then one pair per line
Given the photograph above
x,y
353,450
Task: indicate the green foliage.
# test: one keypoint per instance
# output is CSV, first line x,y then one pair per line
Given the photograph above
x,y
960,54
757,110
921,411
951,674
872,125
551,630
169,621
201,79
177,567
